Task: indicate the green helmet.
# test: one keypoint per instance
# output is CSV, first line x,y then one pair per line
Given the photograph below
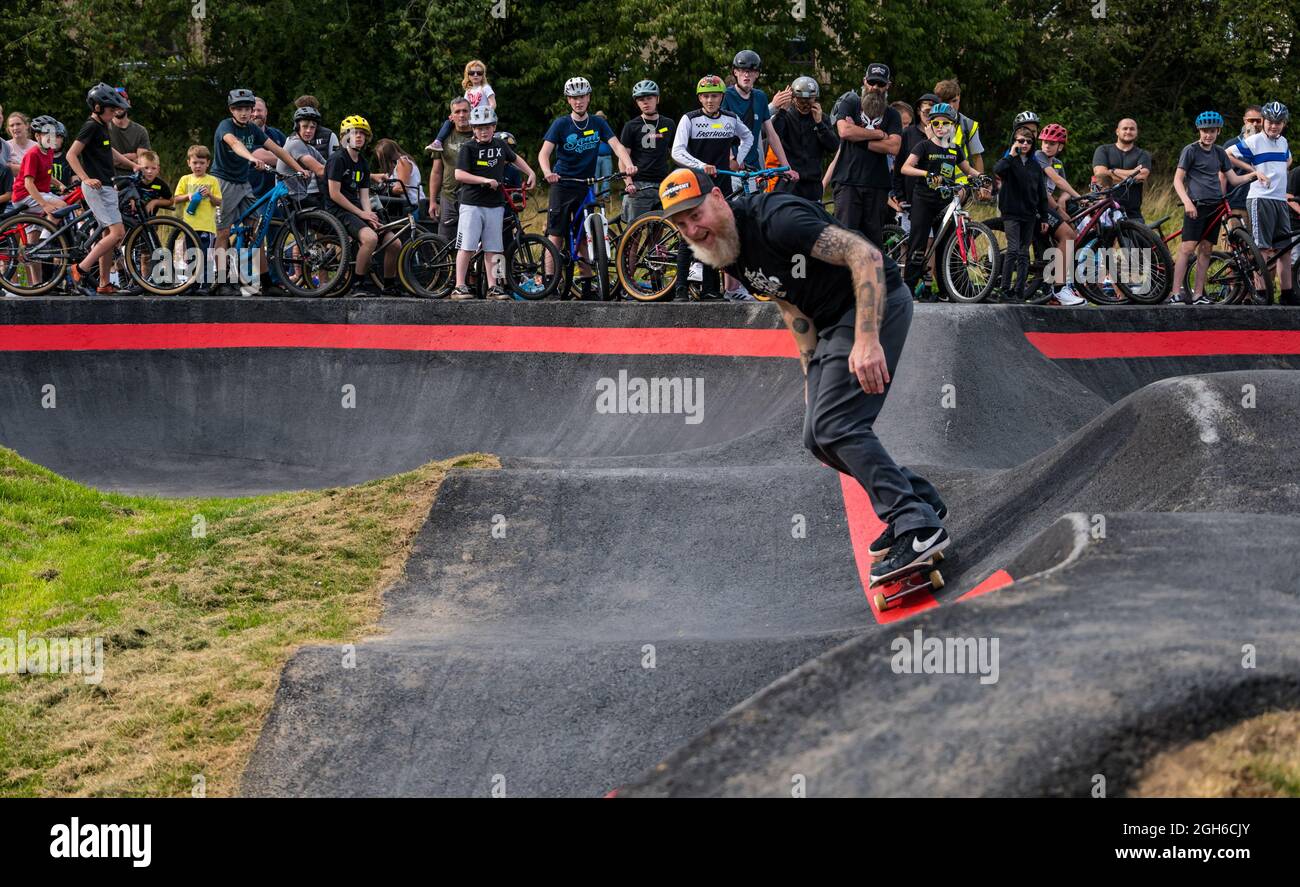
x,y
710,83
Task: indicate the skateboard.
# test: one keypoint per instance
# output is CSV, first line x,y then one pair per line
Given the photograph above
x,y
922,576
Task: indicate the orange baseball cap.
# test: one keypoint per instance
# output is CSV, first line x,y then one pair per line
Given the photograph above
x,y
683,189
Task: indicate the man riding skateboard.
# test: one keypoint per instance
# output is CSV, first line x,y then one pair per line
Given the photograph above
x,y
849,313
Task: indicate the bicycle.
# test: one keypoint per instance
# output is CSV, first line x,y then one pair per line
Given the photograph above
x,y
965,251
309,247
33,264
646,261
590,226
1230,275
427,265
402,222
1108,228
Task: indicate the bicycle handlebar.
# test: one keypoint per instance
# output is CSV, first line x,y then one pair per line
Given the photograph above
x,y
756,173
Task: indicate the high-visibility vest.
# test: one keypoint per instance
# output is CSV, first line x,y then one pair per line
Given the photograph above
x,y
960,137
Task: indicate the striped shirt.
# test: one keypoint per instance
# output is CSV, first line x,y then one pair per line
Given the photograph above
x,y
1269,156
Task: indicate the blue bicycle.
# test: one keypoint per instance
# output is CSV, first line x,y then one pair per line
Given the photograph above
x,y
309,246
591,223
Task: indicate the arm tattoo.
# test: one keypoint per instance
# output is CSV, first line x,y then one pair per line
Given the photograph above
x,y
839,246
800,325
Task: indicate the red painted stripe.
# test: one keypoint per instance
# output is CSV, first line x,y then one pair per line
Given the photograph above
x,y
864,527
720,342
1187,343
998,580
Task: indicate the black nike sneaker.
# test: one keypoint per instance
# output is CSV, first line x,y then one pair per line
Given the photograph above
x,y
885,540
911,550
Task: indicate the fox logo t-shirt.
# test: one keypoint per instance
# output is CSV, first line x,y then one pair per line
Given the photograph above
x,y
486,159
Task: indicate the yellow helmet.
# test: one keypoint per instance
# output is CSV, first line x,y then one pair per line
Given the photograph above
x,y
355,122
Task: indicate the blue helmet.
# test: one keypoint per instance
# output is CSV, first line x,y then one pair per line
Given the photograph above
x,y
1207,119
943,109
1276,111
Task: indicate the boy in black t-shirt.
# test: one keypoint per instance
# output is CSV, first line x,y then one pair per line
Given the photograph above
x,y
481,169
348,178
157,193
649,139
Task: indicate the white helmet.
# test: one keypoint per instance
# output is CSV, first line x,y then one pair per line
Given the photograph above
x,y
576,86
483,115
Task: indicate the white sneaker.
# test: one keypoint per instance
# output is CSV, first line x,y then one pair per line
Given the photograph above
x,y
1066,296
739,296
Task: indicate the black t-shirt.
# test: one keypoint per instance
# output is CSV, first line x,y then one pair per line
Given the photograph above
x,y
6,180
1292,188
155,190
776,227
858,164
937,161
352,176
489,160
60,169
97,155
650,145
1112,157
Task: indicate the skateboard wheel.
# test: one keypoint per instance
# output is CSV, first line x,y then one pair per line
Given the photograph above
x,y
936,580
879,601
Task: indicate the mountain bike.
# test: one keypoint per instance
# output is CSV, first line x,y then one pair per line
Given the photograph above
x,y
646,261
1231,274
36,251
309,248
590,228
428,264
965,251
1103,230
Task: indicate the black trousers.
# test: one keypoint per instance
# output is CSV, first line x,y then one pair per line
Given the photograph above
x,y
862,209
1020,234
838,423
925,214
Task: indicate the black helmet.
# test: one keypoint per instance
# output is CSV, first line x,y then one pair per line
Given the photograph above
x,y
306,112
103,94
506,137
45,123
239,97
747,60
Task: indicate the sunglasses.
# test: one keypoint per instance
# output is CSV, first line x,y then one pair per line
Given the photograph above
x,y
1024,141
476,73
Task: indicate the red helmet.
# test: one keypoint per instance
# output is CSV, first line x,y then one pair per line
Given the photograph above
x,y
1054,132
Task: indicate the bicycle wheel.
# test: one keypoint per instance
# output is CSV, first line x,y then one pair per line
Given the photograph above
x,y
1093,279
310,254
895,245
164,256
32,258
526,260
427,266
1146,268
967,263
646,262
599,258
1234,278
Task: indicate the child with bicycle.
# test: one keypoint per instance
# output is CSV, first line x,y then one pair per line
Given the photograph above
x,y
348,178
33,188
92,157
1201,180
1052,142
481,172
1267,154
934,163
200,194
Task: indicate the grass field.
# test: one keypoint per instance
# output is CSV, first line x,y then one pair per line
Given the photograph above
x,y
195,628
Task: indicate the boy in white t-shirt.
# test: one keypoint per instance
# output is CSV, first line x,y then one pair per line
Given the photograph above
x,y
1266,153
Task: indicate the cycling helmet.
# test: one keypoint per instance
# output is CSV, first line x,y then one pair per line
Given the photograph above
x,y
306,112
483,115
1054,132
645,88
576,86
355,122
805,88
60,130
506,137
1209,119
944,110
45,123
238,98
103,94
747,60
1276,111
1025,117
710,83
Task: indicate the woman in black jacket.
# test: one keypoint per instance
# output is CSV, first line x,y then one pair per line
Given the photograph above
x,y
1024,210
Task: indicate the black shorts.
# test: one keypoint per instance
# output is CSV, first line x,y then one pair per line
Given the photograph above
x,y
351,221
565,200
1198,229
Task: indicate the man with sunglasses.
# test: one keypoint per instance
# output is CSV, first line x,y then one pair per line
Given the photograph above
x,y
862,176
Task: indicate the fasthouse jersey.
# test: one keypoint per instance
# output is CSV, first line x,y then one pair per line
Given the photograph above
x,y
702,140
